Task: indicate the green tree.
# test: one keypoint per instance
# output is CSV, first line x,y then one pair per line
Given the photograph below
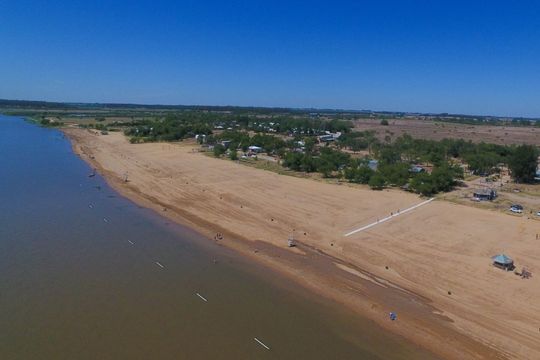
x,y
523,163
376,182
309,144
389,155
233,155
361,174
325,168
384,122
395,174
219,150
423,184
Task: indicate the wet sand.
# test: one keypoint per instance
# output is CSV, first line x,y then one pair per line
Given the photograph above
x,y
408,264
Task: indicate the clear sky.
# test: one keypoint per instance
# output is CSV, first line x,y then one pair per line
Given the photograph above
x,y
475,57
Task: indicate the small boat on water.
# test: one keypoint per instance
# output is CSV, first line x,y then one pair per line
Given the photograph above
x,y
93,173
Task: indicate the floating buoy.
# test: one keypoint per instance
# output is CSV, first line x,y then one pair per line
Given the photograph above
x,y
261,343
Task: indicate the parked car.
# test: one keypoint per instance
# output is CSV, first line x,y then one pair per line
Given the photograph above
x,y
518,209
538,213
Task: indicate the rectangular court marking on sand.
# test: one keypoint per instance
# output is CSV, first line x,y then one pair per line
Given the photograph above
x,y
380,221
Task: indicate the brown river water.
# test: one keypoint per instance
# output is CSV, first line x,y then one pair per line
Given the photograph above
x,y
87,274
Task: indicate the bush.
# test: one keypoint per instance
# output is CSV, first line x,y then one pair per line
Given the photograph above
x,y
523,163
360,175
219,150
384,122
376,182
422,184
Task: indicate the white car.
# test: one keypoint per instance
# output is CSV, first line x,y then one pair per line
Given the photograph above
x,y
538,213
518,209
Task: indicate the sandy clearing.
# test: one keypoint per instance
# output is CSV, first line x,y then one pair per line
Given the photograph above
x,y
427,129
434,249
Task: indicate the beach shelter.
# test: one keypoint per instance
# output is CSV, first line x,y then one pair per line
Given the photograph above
x,y
502,261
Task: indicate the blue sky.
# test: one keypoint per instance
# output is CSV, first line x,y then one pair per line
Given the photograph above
x,y
474,57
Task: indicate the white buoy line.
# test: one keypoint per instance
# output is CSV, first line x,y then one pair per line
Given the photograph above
x,y
198,294
202,297
262,344
393,215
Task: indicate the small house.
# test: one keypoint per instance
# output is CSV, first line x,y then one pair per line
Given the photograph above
x,y
373,164
255,149
484,194
417,169
503,262
226,143
329,136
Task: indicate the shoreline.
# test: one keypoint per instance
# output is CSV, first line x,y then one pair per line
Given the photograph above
x,y
313,268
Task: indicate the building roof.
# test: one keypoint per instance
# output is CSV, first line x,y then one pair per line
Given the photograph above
x,y
484,192
502,259
373,164
417,169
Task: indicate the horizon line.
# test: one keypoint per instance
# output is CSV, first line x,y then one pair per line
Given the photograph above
x,y
337,110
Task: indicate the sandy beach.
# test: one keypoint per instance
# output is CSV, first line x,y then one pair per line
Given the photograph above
x,y
430,265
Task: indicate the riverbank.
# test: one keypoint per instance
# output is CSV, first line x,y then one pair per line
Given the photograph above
x,y
431,265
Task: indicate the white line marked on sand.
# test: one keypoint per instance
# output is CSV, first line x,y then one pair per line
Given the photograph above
x,y
401,212
261,343
202,297
159,264
131,242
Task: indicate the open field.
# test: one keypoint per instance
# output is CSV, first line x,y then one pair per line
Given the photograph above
x,y
426,129
431,265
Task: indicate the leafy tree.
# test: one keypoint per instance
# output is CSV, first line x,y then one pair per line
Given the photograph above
x,y
325,168
423,184
376,182
523,163
442,179
233,155
219,150
309,144
361,174
396,174
389,155
482,162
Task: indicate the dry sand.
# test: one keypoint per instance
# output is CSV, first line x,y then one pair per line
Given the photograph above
x,y
433,130
430,251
